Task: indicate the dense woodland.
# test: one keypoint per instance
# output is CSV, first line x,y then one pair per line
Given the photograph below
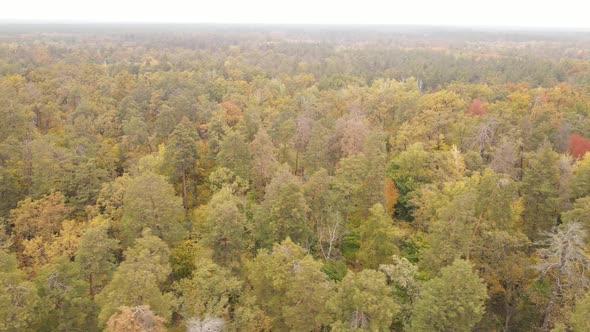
x,y
203,178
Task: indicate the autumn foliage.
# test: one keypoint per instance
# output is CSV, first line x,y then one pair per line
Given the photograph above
x,y
231,112
476,108
391,195
210,178
139,318
578,145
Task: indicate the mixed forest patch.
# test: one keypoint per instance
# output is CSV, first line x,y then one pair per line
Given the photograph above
x,y
212,178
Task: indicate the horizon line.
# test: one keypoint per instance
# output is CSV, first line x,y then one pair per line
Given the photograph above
x,y
5,21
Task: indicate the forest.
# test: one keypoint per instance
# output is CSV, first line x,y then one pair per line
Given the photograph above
x,y
293,178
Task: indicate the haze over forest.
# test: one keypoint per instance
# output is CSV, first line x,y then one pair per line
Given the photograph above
x,y
211,177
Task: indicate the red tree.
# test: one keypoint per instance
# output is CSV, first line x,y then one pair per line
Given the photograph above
x,y
477,108
578,145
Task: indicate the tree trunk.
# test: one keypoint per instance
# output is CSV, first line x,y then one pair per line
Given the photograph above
x,y
296,161
259,189
184,195
508,315
91,286
549,309
27,165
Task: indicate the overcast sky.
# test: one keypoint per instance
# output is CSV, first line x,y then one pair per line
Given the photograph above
x,y
512,13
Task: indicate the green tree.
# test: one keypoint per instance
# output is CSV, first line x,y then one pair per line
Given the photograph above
x,y
138,279
18,300
63,295
377,236
54,167
264,163
363,301
96,257
226,227
84,186
359,180
500,256
111,197
211,291
234,154
409,170
51,167
223,177
580,212
540,191
150,203
183,257
402,277
324,213
451,223
180,159
452,302
290,287
283,213
580,181
494,199
316,155
579,319
12,178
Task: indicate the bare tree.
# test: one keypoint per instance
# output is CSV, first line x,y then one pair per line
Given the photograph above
x,y
329,234
351,133
208,324
135,319
564,256
504,159
484,135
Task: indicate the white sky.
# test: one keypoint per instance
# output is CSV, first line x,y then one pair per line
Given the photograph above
x,y
513,13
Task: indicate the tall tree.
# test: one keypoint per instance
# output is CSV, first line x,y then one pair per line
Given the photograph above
x,y
377,236
64,304
234,154
452,302
290,286
181,159
212,291
409,170
325,213
18,300
264,163
150,203
96,257
316,155
303,127
363,301
138,279
540,190
226,227
402,277
283,213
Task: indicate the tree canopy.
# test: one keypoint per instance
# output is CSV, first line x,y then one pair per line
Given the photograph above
x,y
288,178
